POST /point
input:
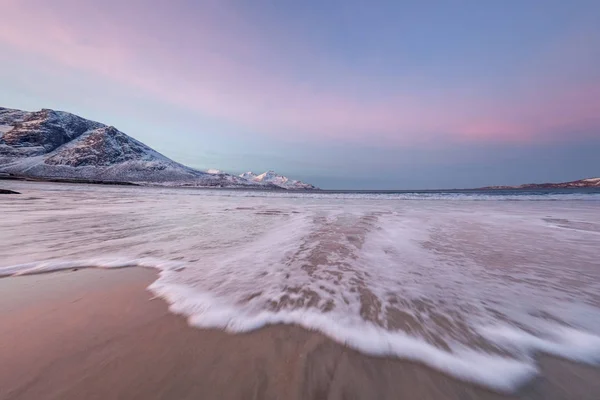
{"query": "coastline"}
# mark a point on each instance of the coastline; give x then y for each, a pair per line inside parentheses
(95, 333)
(77, 181)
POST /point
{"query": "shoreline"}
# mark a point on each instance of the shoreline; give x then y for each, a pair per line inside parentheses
(82, 181)
(95, 333)
(493, 189)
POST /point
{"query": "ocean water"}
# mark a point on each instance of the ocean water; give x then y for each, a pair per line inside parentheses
(475, 284)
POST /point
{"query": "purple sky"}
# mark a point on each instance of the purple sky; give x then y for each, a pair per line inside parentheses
(346, 94)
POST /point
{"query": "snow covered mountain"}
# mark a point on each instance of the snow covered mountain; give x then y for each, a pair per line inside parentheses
(582, 183)
(248, 175)
(594, 182)
(276, 179)
(50, 144)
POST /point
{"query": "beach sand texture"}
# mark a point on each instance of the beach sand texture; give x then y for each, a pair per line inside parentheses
(97, 334)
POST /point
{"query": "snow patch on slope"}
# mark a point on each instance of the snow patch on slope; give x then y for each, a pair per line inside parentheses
(593, 180)
(248, 175)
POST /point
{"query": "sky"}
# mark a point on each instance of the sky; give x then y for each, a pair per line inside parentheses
(343, 94)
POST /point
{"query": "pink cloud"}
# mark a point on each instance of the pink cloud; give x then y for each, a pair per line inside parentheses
(549, 114)
(216, 63)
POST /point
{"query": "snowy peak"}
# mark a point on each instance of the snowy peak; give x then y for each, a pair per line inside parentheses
(279, 180)
(41, 132)
(271, 176)
(248, 175)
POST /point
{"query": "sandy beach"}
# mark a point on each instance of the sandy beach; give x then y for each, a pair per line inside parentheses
(98, 334)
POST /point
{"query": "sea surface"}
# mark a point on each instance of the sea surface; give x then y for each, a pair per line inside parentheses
(476, 284)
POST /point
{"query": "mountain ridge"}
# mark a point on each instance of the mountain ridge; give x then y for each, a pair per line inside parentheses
(271, 176)
(581, 183)
(58, 145)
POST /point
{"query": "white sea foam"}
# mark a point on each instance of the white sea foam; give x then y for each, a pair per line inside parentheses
(55, 266)
(202, 310)
(493, 371)
(473, 289)
(560, 341)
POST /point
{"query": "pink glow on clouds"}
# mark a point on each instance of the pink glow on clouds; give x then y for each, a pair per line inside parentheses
(219, 65)
(549, 114)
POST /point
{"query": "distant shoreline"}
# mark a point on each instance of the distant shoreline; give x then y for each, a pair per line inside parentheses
(580, 184)
(64, 180)
(11, 177)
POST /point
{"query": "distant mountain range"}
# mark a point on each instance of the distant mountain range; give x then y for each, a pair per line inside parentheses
(582, 183)
(276, 179)
(57, 145)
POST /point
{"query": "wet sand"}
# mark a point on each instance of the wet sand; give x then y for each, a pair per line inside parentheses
(95, 334)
